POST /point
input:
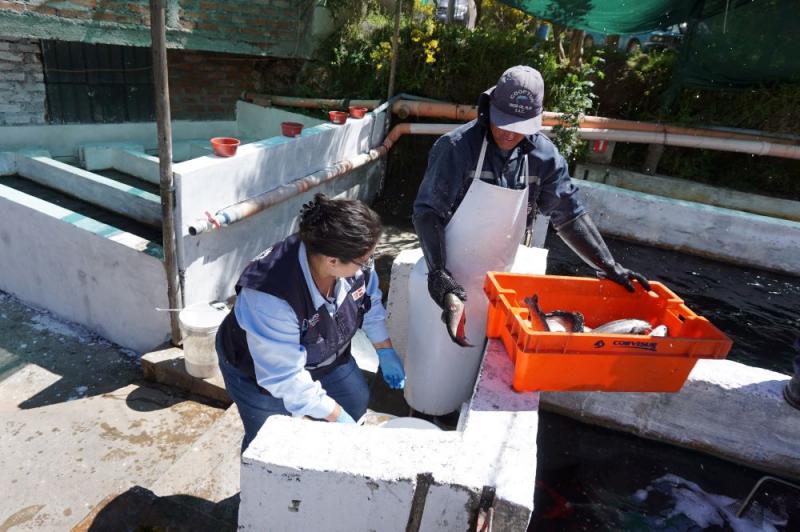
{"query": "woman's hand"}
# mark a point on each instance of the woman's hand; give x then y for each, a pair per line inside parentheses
(339, 415)
(392, 368)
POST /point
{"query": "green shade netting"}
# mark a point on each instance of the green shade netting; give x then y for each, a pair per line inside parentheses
(730, 43)
(609, 16)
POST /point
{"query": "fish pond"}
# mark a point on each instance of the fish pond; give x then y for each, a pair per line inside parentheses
(591, 478)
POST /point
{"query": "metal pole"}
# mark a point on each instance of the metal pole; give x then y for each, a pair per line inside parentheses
(158, 36)
(398, 5)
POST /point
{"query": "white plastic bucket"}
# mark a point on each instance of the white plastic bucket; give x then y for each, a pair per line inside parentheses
(199, 324)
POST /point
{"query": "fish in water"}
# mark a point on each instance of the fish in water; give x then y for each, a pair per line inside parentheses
(624, 326)
(556, 321)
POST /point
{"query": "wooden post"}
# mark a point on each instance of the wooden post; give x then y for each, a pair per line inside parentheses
(398, 5)
(158, 36)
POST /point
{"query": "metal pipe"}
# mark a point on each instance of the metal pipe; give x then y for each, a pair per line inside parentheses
(163, 119)
(251, 206)
(451, 111)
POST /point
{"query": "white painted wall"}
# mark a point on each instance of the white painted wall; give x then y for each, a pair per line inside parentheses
(723, 234)
(214, 260)
(100, 282)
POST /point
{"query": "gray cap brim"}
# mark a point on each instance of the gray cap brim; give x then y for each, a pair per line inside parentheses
(513, 123)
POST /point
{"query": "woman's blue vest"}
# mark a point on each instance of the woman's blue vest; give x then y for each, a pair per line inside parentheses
(326, 338)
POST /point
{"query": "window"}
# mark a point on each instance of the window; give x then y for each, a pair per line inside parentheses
(97, 83)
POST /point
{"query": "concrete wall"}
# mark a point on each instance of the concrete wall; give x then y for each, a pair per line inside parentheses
(22, 93)
(714, 232)
(213, 261)
(690, 191)
(280, 28)
(82, 270)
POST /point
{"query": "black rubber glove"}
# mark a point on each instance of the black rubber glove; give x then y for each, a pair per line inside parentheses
(443, 289)
(582, 236)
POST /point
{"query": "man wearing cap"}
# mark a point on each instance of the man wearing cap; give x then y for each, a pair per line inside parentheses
(483, 181)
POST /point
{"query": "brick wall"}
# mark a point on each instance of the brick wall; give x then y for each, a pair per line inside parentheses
(265, 27)
(22, 93)
(205, 86)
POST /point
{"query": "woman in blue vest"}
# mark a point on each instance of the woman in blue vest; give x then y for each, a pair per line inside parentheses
(285, 347)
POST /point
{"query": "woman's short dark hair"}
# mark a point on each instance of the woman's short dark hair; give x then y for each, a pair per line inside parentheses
(342, 228)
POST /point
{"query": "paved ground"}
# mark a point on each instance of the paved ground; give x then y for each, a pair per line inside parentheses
(78, 422)
(83, 432)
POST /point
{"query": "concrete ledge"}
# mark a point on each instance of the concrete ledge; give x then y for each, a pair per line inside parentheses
(690, 191)
(166, 367)
(8, 163)
(726, 409)
(723, 234)
(370, 478)
(100, 156)
(92, 188)
(137, 164)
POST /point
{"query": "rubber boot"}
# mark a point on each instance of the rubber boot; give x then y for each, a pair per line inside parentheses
(791, 392)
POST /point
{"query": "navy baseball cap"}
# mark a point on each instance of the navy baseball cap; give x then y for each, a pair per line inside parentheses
(516, 100)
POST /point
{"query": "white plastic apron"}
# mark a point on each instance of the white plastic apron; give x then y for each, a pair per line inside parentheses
(483, 235)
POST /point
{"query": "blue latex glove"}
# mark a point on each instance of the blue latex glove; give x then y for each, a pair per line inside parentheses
(392, 368)
(344, 417)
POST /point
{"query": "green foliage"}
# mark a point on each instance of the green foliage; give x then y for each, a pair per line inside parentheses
(451, 63)
(634, 88)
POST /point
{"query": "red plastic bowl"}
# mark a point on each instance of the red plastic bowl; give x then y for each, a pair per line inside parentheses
(224, 146)
(357, 112)
(291, 129)
(338, 117)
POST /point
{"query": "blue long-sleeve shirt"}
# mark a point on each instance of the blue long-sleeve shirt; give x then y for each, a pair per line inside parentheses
(273, 337)
(454, 156)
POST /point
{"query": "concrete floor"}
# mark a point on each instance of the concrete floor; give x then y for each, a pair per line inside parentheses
(80, 425)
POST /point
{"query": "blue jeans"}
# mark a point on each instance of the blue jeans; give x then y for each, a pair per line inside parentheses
(345, 384)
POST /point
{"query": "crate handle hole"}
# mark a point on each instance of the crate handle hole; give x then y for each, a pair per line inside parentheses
(682, 317)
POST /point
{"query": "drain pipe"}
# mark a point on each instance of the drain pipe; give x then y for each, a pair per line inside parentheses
(167, 185)
(244, 209)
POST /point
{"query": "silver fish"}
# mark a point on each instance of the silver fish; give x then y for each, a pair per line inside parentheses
(624, 326)
(556, 321)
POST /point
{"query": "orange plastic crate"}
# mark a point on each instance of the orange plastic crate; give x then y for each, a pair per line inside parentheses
(555, 361)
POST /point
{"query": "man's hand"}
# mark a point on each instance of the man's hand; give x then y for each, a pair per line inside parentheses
(624, 277)
(392, 368)
(450, 296)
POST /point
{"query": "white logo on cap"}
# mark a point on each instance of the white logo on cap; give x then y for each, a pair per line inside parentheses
(521, 102)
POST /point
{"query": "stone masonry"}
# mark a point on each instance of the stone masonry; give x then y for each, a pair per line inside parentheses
(22, 93)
